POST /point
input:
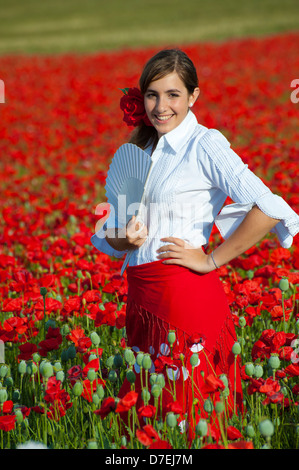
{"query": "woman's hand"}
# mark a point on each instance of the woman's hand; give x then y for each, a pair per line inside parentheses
(181, 253)
(132, 236)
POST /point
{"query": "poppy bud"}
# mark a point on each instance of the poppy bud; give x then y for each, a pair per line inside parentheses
(78, 389)
(171, 337)
(242, 322)
(118, 361)
(95, 339)
(43, 291)
(100, 391)
(16, 395)
(57, 366)
(31, 368)
(194, 360)
(3, 371)
(274, 361)
(208, 406)
(92, 444)
(258, 371)
(110, 362)
(131, 376)
(266, 428)
(250, 431)
(91, 375)
(171, 420)
(249, 369)
(139, 358)
(95, 399)
(236, 349)
(3, 395)
(22, 367)
(145, 394)
(146, 362)
(129, 356)
(71, 352)
(156, 390)
(202, 428)
(80, 274)
(283, 284)
(19, 416)
(46, 370)
(112, 376)
(223, 379)
(153, 379)
(60, 376)
(160, 380)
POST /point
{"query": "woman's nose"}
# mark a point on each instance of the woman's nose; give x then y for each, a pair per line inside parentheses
(161, 105)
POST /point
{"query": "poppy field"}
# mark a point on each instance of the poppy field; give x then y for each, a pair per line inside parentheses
(63, 350)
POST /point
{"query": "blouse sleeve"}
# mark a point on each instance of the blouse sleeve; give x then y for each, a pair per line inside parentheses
(100, 243)
(228, 172)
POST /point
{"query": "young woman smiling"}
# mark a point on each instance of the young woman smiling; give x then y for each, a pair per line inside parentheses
(173, 283)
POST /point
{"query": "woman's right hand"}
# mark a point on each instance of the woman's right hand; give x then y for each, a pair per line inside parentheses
(130, 237)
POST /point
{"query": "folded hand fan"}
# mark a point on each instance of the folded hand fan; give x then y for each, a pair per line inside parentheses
(125, 184)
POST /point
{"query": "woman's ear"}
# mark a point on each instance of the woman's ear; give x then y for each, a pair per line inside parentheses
(193, 97)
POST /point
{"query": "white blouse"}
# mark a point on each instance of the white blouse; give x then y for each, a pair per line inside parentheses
(193, 171)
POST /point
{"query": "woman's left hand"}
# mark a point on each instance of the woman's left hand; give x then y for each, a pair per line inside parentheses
(181, 253)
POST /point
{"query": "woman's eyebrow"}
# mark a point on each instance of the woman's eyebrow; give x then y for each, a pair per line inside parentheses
(167, 91)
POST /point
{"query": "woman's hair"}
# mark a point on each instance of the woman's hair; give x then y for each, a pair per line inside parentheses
(163, 63)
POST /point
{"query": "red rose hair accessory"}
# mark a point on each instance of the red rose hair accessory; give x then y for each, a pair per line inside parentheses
(132, 105)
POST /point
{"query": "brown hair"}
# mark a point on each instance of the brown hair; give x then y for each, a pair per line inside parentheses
(164, 62)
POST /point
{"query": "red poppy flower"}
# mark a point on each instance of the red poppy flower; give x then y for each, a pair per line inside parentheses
(7, 423)
(27, 351)
(233, 433)
(212, 384)
(147, 411)
(126, 403)
(108, 405)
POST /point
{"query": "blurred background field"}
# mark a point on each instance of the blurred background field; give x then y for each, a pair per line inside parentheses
(60, 26)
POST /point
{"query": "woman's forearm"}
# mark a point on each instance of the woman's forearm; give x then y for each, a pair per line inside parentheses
(251, 230)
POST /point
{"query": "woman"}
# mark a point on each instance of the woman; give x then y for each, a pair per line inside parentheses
(172, 280)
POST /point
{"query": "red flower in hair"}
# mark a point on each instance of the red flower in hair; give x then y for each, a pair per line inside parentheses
(132, 105)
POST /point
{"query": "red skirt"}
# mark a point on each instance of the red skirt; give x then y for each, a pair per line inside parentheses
(165, 297)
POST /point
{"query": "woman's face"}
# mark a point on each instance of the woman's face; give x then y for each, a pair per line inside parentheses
(167, 101)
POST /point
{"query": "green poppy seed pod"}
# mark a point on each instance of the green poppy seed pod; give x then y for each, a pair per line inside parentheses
(171, 337)
(36, 358)
(123, 441)
(31, 368)
(250, 274)
(249, 430)
(145, 394)
(258, 371)
(171, 420)
(112, 376)
(156, 390)
(64, 330)
(223, 379)
(3, 371)
(139, 358)
(194, 359)
(71, 352)
(146, 362)
(160, 380)
(242, 322)
(50, 323)
(274, 361)
(47, 370)
(100, 391)
(60, 376)
(8, 382)
(92, 444)
(201, 428)
(80, 274)
(118, 361)
(131, 376)
(249, 369)
(22, 367)
(43, 291)
(110, 362)
(225, 393)
(236, 349)
(78, 389)
(153, 378)
(92, 357)
(3, 395)
(266, 428)
(19, 416)
(283, 284)
(129, 356)
(91, 375)
(57, 366)
(16, 395)
(208, 406)
(95, 399)
(95, 339)
(219, 407)
(64, 356)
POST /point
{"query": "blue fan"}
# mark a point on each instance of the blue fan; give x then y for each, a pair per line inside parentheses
(125, 184)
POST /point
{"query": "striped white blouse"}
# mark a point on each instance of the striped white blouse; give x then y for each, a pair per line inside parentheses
(194, 170)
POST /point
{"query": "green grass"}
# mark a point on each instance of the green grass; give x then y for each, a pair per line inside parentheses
(59, 26)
